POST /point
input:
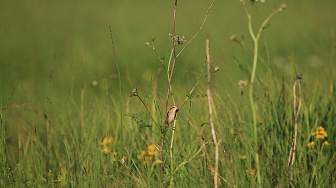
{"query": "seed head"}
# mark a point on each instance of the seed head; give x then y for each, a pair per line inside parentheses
(283, 7)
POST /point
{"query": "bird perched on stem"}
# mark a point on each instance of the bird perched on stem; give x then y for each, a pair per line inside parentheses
(171, 114)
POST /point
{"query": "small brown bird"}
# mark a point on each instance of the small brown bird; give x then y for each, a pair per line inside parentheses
(171, 114)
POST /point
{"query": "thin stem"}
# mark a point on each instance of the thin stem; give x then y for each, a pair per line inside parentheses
(255, 61)
(161, 157)
(194, 156)
(82, 106)
(296, 114)
(174, 62)
(254, 114)
(265, 22)
(255, 130)
(171, 90)
(255, 39)
(171, 157)
(146, 134)
(169, 83)
(3, 144)
(213, 132)
(192, 90)
(206, 16)
(170, 57)
(148, 110)
(176, 56)
(159, 58)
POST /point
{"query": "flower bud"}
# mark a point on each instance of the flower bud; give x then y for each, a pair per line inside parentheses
(147, 44)
(216, 69)
(283, 7)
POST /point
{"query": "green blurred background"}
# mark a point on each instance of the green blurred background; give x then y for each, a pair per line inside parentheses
(48, 48)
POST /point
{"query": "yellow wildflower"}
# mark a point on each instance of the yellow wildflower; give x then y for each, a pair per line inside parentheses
(150, 152)
(110, 140)
(115, 156)
(107, 140)
(242, 156)
(325, 143)
(147, 156)
(139, 158)
(104, 142)
(59, 177)
(320, 128)
(250, 172)
(148, 159)
(310, 144)
(107, 150)
(151, 148)
(321, 134)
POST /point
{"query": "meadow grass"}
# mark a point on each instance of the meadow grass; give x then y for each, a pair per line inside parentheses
(106, 129)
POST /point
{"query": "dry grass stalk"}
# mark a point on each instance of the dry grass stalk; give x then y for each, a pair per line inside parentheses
(213, 132)
(234, 104)
(25, 105)
(291, 158)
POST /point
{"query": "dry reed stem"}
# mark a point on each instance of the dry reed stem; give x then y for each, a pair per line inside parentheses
(291, 158)
(213, 132)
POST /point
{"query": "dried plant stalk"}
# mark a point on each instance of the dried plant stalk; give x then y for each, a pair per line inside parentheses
(213, 132)
(291, 158)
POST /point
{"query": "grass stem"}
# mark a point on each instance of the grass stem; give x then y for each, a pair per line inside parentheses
(213, 132)
(255, 39)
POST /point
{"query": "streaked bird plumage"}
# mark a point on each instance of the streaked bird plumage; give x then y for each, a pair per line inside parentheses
(171, 114)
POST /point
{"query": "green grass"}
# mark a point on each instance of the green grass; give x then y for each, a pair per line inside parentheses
(54, 119)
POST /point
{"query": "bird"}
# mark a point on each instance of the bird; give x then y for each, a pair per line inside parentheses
(171, 114)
